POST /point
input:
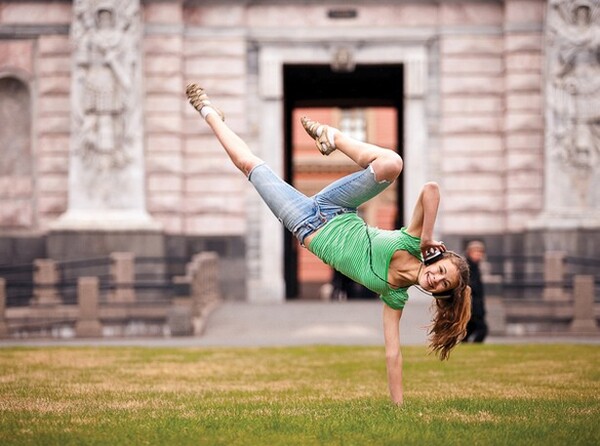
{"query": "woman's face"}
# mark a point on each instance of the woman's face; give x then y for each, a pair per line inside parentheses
(439, 277)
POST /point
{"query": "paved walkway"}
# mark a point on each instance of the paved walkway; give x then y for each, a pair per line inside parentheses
(241, 324)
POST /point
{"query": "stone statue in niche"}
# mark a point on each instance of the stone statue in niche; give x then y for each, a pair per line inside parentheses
(106, 159)
(105, 69)
(574, 89)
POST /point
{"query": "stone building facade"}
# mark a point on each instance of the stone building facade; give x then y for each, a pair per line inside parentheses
(499, 103)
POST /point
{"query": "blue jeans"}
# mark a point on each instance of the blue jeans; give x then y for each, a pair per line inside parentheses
(303, 215)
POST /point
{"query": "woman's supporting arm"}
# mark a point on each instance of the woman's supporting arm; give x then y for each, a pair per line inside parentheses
(393, 355)
(424, 216)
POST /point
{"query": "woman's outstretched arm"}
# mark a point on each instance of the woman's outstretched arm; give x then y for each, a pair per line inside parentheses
(424, 216)
(393, 355)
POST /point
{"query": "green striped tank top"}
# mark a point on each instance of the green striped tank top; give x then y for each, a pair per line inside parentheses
(343, 243)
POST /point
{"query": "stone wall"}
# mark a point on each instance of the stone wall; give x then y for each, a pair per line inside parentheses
(491, 120)
(524, 111)
(490, 107)
(163, 117)
(35, 48)
(53, 124)
(474, 110)
(192, 188)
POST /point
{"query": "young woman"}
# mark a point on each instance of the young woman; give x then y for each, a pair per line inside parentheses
(386, 262)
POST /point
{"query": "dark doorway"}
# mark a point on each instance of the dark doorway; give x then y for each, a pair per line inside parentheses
(319, 86)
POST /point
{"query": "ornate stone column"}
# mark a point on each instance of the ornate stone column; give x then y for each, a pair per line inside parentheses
(106, 169)
(106, 208)
(572, 152)
(570, 219)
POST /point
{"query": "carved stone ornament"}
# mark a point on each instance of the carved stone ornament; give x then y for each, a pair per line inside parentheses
(343, 60)
(106, 166)
(105, 56)
(573, 91)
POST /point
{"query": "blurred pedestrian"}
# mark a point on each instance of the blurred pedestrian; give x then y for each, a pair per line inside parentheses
(477, 328)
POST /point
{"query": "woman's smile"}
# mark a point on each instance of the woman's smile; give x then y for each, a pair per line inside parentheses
(429, 282)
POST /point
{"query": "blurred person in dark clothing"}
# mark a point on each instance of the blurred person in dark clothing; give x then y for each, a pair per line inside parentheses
(476, 328)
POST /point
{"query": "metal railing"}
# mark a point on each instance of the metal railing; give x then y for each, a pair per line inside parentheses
(528, 276)
(116, 294)
(19, 283)
(152, 279)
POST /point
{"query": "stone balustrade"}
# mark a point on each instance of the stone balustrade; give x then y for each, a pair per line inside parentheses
(561, 309)
(49, 316)
(558, 308)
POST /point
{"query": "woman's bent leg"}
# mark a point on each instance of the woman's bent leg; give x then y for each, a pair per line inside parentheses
(351, 191)
(386, 164)
(294, 209)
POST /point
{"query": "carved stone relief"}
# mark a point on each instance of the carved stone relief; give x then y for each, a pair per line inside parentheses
(573, 95)
(106, 123)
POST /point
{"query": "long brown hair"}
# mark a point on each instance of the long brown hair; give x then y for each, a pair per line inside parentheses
(449, 325)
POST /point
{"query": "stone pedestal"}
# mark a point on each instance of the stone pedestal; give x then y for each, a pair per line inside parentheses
(45, 279)
(584, 318)
(554, 275)
(106, 207)
(122, 271)
(88, 324)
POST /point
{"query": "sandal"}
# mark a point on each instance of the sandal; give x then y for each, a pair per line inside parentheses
(322, 142)
(199, 99)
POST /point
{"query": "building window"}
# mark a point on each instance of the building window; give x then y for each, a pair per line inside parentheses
(353, 122)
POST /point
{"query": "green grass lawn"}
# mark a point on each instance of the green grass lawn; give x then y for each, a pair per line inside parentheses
(485, 395)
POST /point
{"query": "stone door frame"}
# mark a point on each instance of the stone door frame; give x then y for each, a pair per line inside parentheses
(265, 237)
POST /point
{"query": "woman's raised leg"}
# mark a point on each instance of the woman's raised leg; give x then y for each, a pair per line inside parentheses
(238, 151)
(294, 209)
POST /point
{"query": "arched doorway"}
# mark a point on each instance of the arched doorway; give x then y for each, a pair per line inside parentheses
(16, 168)
(318, 86)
